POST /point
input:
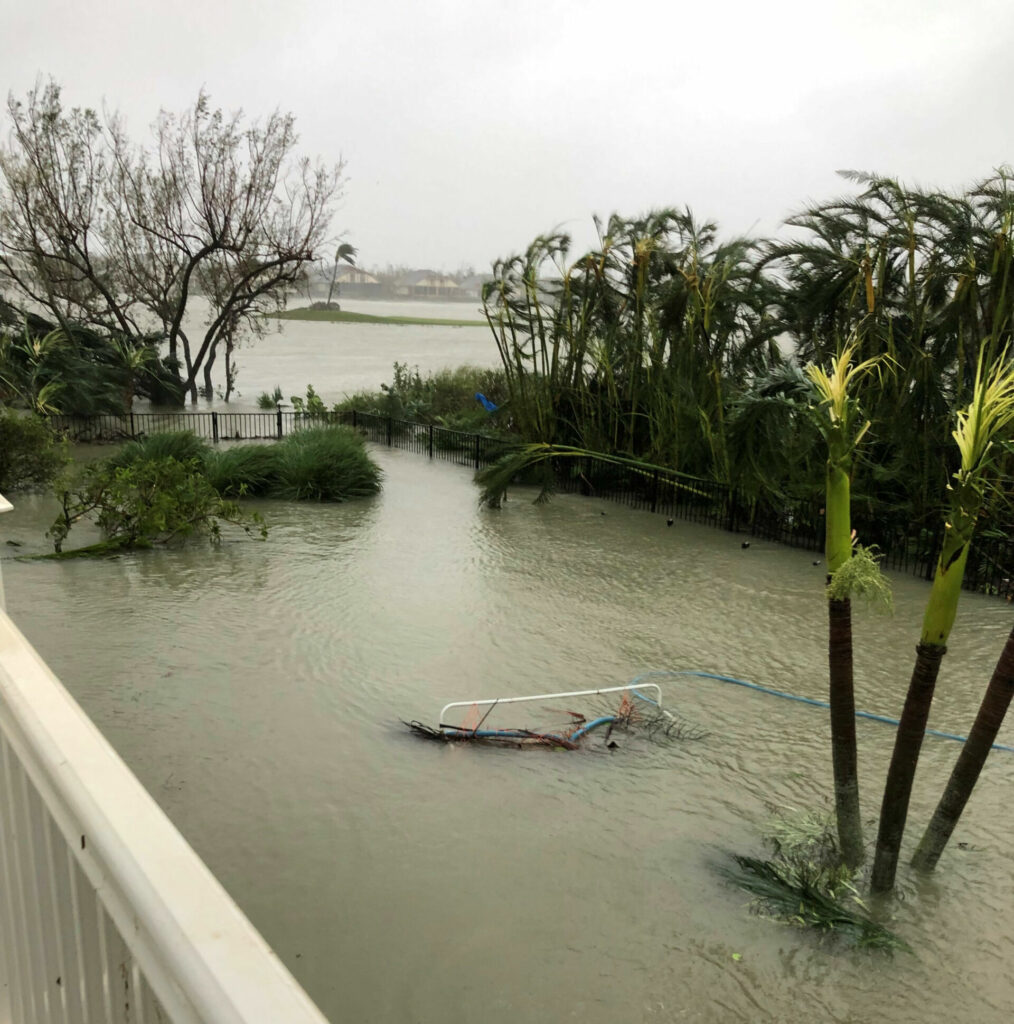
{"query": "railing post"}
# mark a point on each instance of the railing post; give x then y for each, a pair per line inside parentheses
(214, 427)
(431, 440)
(355, 420)
(654, 491)
(279, 424)
(133, 433)
(477, 439)
(732, 517)
(390, 431)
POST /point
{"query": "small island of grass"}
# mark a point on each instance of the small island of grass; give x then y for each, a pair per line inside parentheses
(341, 317)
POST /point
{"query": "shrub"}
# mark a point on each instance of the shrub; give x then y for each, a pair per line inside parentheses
(147, 502)
(246, 470)
(269, 399)
(446, 397)
(30, 455)
(325, 464)
(183, 446)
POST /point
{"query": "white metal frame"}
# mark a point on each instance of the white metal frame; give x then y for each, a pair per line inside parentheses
(549, 696)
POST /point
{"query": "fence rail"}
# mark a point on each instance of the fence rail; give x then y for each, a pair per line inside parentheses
(990, 567)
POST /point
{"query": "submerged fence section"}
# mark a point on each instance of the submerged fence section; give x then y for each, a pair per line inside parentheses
(676, 495)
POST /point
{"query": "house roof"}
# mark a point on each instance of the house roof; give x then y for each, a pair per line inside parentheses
(426, 279)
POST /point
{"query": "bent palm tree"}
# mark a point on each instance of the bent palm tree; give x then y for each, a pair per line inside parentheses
(343, 252)
(986, 419)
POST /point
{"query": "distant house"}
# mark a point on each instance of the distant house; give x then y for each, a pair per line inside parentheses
(426, 284)
(355, 283)
(471, 287)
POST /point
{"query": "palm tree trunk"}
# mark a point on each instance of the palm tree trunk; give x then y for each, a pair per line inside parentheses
(973, 756)
(843, 732)
(841, 694)
(901, 774)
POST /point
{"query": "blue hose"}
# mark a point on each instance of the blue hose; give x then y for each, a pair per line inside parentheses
(524, 735)
(802, 700)
(593, 724)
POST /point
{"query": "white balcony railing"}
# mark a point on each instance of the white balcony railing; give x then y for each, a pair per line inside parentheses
(106, 913)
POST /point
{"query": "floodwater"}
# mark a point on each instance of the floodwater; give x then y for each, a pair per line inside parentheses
(340, 359)
(257, 690)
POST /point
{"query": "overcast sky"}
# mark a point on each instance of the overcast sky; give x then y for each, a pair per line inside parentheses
(470, 126)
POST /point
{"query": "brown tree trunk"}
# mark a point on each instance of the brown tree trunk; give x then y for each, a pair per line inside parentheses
(843, 732)
(901, 773)
(973, 756)
(209, 389)
(230, 373)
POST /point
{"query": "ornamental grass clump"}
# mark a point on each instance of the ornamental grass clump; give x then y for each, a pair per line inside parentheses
(248, 470)
(324, 464)
(183, 446)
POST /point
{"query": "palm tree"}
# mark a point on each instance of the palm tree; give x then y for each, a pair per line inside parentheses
(344, 252)
(840, 421)
(987, 418)
(29, 368)
(973, 756)
(638, 347)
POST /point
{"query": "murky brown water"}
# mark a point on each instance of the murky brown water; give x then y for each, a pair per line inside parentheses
(257, 689)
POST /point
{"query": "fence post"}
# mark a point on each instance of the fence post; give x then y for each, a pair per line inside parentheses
(390, 431)
(732, 518)
(214, 427)
(133, 433)
(431, 440)
(279, 418)
(654, 490)
(477, 439)
(355, 422)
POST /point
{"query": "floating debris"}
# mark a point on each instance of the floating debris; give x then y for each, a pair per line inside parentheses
(636, 715)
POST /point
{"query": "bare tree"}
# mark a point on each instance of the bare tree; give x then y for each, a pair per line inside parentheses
(98, 229)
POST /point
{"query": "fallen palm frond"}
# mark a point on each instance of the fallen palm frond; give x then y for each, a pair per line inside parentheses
(495, 479)
(804, 893)
(806, 883)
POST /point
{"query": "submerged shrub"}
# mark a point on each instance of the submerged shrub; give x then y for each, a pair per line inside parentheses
(325, 464)
(269, 400)
(183, 446)
(149, 501)
(444, 397)
(30, 455)
(245, 470)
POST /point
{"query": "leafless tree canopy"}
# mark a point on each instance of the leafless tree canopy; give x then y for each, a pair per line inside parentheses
(97, 229)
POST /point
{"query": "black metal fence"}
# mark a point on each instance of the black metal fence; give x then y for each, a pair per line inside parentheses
(678, 496)
(212, 426)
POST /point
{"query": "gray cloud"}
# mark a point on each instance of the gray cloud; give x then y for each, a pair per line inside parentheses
(468, 127)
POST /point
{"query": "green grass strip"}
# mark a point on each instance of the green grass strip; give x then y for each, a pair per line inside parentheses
(333, 316)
